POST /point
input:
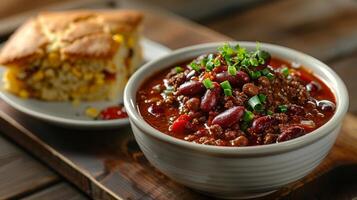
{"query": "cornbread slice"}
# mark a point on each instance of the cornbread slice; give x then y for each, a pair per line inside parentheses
(73, 55)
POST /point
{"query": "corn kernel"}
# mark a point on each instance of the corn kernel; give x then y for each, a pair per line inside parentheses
(131, 42)
(92, 112)
(54, 59)
(76, 72)
(118, 38)
(38, 76)
(66, 67)
(88, 76)
(49, 73)
(82, 90)
(24, 94)
(99, 79)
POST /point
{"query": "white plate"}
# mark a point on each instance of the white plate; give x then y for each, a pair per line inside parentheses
(65, 114)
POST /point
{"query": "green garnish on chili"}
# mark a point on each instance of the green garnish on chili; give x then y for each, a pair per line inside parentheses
(283, 108)
(178, 69)
(208, 83)
(248, 116)
(227, 92)
(226, 85)
(254, 103)
(285, 71)
(232, 70)
(195, 66)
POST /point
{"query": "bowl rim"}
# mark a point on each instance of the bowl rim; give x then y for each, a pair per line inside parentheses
(146, 71)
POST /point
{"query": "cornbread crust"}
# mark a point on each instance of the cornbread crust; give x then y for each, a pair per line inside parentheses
(74, 34)
(25, 45)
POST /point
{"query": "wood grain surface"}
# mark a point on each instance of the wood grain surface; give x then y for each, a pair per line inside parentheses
(60, 191)
(21, 174)
(109, 165)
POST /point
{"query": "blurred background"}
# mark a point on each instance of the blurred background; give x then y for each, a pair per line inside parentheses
(326, 29)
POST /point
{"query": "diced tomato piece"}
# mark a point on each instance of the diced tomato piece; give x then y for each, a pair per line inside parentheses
(114, 112)
(183, 117)
(181, 124)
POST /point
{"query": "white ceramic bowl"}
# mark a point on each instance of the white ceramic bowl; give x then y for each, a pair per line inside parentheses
(236, 172)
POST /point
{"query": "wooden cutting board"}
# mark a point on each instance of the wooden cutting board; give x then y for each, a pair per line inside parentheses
(109, 165)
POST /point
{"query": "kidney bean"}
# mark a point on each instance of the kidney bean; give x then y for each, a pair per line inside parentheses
(220, 69)
(190, 88)
(224, 76)
(311, 104)
(243, 77)
(262, 123)
(264, 81)
(229, 117)
(250, 89)
(326, 105)
(313, 86)
(291, 132)
(211, 97)
(240, 78)
(193, 104)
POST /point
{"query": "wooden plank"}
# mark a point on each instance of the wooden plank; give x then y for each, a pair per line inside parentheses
(323, 29)
(19, 173)
(59, 191)
(108, 164)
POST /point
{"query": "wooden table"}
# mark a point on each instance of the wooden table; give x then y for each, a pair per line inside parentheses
(324, 30)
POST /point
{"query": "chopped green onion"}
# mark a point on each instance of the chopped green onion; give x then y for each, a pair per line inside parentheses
(257, 45)
(265, 71)
(270, 76)
(248, 116)
(245, 62)
(195, 66)
(263, 56)
(226, 85)
(232, 70)
(178, 69)
(262, 98)
(269, 112)
(255, 74)
(244, 126)
(208, 83)
(227, 92)
(241, 53)
(216, 62)
(283, 108)
(226, 49)
(210, 64)
(285, 71)
(255, 103)
(254, 62)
